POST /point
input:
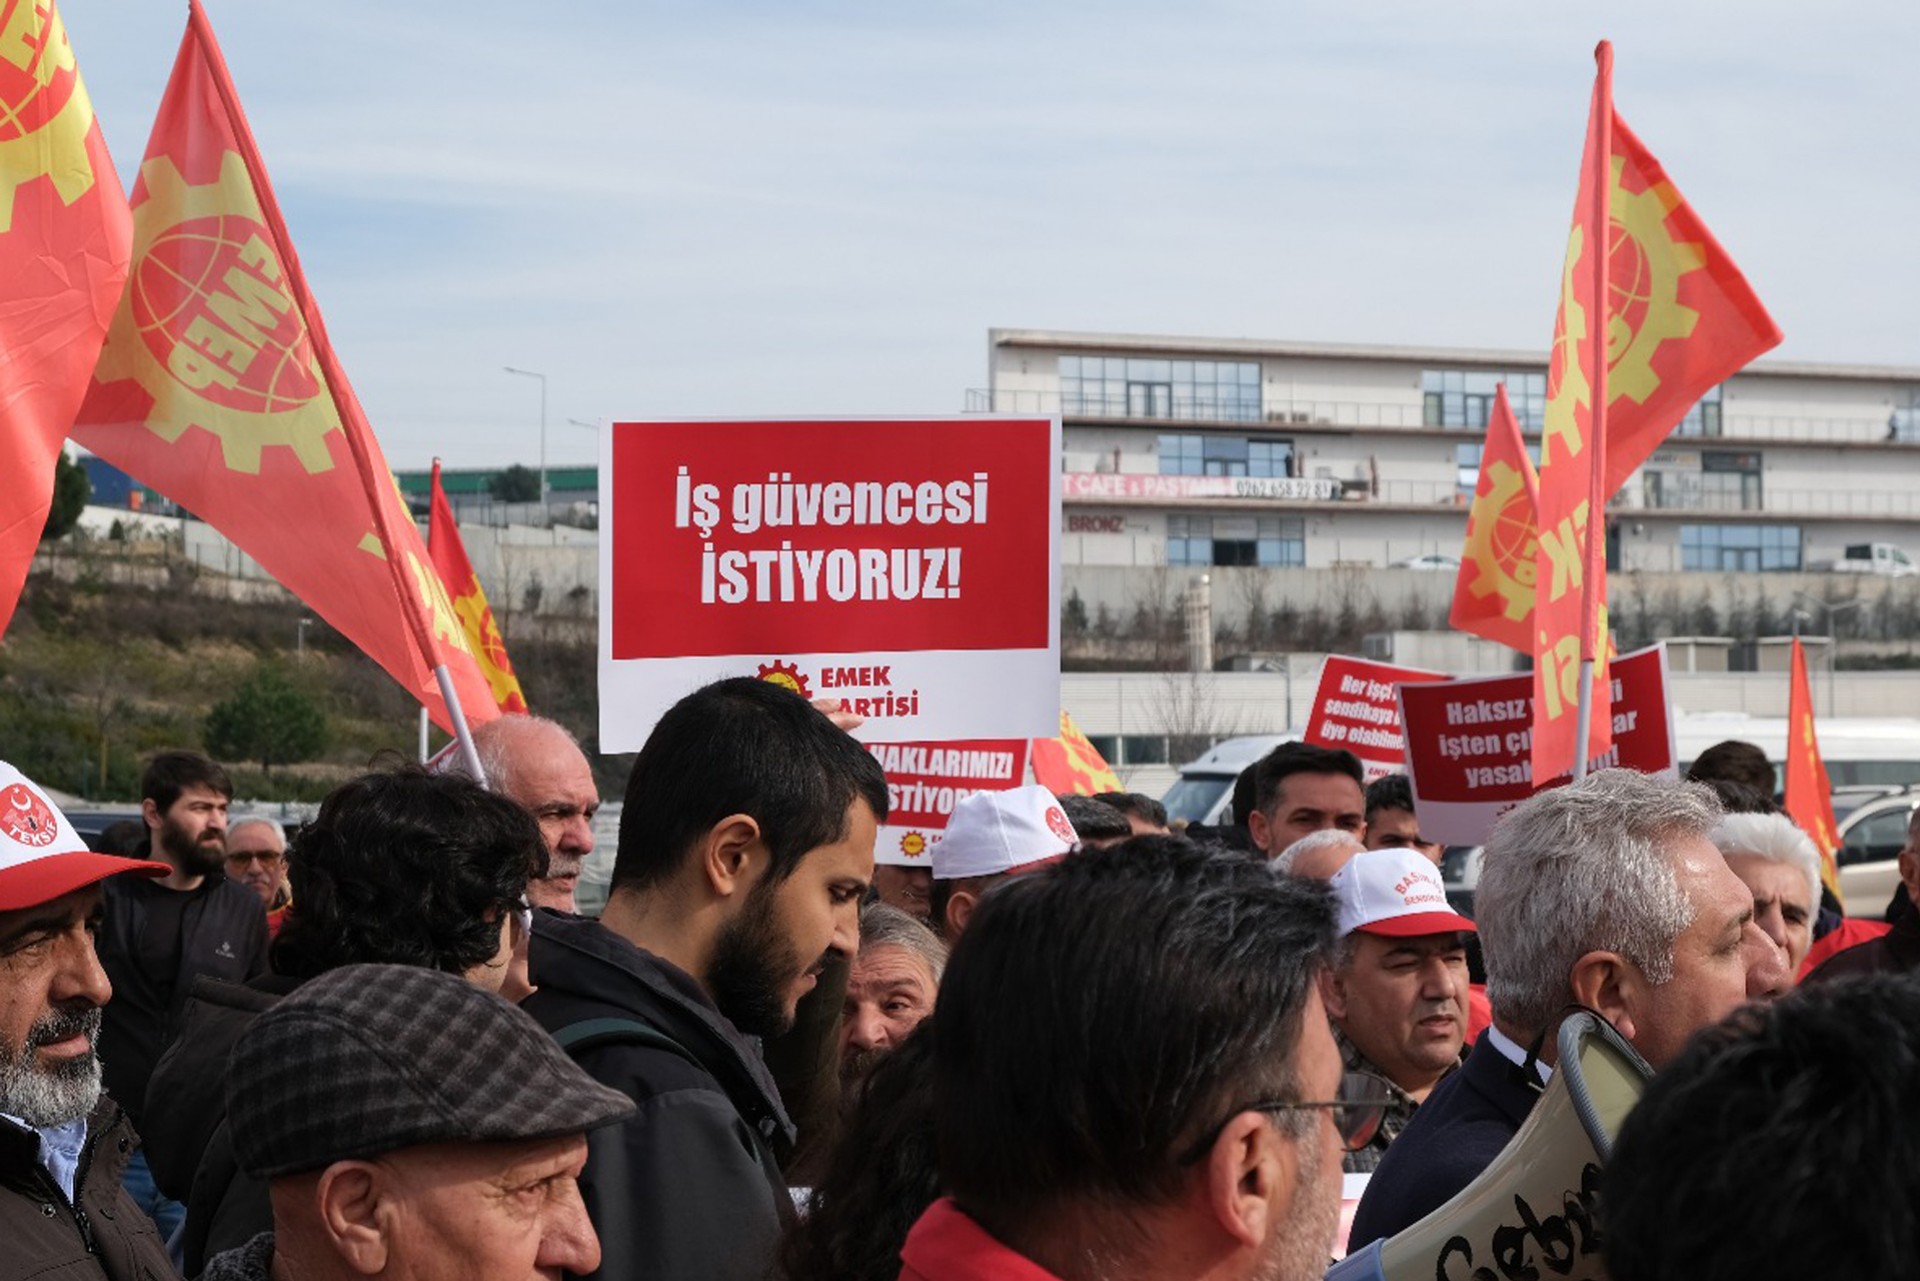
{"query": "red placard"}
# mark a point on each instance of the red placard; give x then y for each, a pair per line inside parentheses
(1470, 742)
(908, 567)
(926, 780)
(1357, 707)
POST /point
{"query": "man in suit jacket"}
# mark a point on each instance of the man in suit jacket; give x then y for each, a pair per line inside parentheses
(1606, 894)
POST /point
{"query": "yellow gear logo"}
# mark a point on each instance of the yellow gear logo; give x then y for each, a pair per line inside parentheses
(787, 676)
(209, 326)
(476, 618)
(1644, 267)
(1502, 548)
(913, 845)
(45, 113)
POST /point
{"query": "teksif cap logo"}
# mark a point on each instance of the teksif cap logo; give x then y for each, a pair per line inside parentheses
(41, 855)
(1395, 892)
(1016, 830)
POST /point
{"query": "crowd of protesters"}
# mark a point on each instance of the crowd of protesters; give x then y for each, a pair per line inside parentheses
(1077, 1045)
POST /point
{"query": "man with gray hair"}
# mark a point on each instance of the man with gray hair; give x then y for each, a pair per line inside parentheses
(1776, 861)
(1606, 893)
(257, 859)
(1318, 855)
(537, 763)
(891, 986)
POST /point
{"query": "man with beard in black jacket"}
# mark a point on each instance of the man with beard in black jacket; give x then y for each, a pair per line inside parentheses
(746, 846)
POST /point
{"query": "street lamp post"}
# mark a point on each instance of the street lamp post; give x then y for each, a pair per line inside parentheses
(1827, 611)
(528, 373)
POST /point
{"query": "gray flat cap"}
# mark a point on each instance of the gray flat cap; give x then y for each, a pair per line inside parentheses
(367, 1059)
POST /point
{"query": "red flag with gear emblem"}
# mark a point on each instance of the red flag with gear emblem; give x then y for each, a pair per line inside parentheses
(1070, 765)
(1493, 596)
(218, 388)
(449, 555)
(1653, 314)
(1809, 794)
(64, 236)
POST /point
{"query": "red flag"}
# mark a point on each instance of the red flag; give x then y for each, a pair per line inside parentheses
(449, 556)
(1070, 765)
(1653, 313)
(1809, 795)
(1493, 597)
(218, 387)
(64, 235)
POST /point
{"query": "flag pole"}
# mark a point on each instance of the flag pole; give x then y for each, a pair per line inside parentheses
(1597, 329)
(335, 378)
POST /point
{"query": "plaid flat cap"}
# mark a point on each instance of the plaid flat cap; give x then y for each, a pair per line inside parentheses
(368, 1059)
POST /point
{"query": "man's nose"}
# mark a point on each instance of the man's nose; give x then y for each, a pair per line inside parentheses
(569, 1243)
(1767, 972)
(867, 1030)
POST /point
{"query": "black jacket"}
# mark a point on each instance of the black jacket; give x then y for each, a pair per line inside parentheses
(1450, 1141)
(101, 1233)
(1895, 952)
(188, 1145)
(690, 1189)
(223, 933)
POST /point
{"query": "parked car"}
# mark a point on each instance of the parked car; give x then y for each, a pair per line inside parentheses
(1871, 558)
(1872, 834)
(1432, 560)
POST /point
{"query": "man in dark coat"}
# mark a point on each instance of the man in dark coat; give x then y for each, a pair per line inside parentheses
(63, 1144)
(746, 846)
(1898, 950)
(1606, 894)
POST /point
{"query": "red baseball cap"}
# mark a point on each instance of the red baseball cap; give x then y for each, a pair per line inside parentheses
(41, 856)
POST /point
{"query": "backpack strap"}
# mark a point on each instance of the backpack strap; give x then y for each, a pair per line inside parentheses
(590, 1034)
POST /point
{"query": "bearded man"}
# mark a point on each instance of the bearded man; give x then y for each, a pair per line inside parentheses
(159, 935)
(63, 1144)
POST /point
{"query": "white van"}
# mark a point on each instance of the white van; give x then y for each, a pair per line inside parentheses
(1204, 791)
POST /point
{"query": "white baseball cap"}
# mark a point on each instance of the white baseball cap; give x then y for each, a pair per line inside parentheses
(1017, 830)
(1395, 892)
(41, 856)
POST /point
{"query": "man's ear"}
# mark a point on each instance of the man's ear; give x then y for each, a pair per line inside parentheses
(1611, 984)
(1261, 832)
(1333, 992)
(1252, 1174)
(151, 813)
(728, 861)
(960, 905)
(355, 1220)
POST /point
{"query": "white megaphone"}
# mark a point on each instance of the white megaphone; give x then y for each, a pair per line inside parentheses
(1534, 1211)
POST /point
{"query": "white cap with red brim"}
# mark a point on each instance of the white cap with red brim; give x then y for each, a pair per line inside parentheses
(41, 856)
(1395, 892)
(990, 833)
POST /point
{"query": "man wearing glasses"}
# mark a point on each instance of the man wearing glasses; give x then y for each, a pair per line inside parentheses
(257, 858)
(1134, 1076)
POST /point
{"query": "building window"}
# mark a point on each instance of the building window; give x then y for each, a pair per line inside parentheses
(1267, 541)
(1186, 390)
(1722, 480)
(1739, 548)
(1225, 456)
(1704, 418)
(1463, 398)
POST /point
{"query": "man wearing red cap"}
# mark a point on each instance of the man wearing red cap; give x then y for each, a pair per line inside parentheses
(1397, 990)
(63, 1144)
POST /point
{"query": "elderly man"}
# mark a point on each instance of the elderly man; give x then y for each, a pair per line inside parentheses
(257, 858)
(1605, 893)
(411, 1125)
(1134, 1077)
(1783, 1144)
(1397, 990)
(1318, 855)
(537, 763)
(63, 1144)
(1776, 861)
(991, 838)
(891, 986)
(1301, 788)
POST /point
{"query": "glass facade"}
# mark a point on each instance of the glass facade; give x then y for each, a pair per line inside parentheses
(1462, 398)
(1187, 390)
(1704, 418)
(1739, 548)
(1225, 456)
(1236, 540)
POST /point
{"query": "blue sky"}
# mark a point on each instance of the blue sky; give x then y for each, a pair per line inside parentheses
(819, 208)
